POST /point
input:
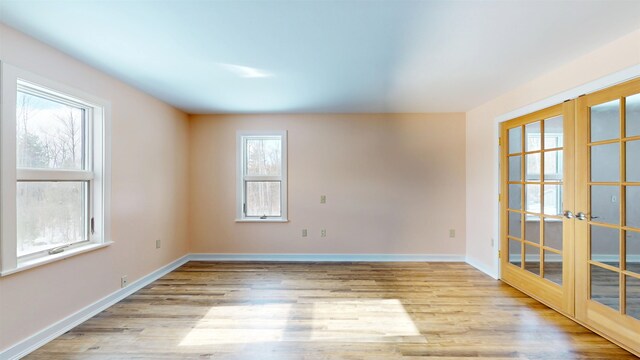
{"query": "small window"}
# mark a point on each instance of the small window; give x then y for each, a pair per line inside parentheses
(262, 176)
(55, 157)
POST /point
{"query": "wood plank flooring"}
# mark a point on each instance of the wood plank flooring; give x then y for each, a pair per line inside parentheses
(236, 310)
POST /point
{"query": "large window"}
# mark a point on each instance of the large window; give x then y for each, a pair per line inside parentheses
(262, 176)
(53, 171)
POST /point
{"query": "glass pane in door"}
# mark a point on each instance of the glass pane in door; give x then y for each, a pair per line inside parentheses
(515, 170)
(532, 229)
(605, 163)
(515, 224)
(605, 204)
(515, 140)
(515, 196)
(605, 245)
(605, 121)
(633, 206)
(553, 233)
(633, 251)
(553, 267)
(633, 161)
(633, 296)
(633, 115)
(553, 162)
(532, 259)
(605, 287)
(552, 199)
(553, 133)
(532, 196)
(533, 139)
(532, 167)
(515, 252)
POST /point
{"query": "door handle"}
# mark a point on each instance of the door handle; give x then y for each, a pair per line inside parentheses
(568, 214)
(581, 216)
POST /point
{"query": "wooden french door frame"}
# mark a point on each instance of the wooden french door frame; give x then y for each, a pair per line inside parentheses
(557, 296)
(613, 323)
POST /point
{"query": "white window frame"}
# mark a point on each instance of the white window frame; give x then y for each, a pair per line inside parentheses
(242, 178)
(97, 172)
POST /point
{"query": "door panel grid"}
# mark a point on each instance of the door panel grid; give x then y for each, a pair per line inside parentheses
(613, 203)
(535, 203)
(535, 174)
(571, 218)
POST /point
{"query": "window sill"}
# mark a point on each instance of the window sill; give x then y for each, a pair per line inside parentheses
(262, 220)
(26, 265)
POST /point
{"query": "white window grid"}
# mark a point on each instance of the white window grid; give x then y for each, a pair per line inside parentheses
(244, 179)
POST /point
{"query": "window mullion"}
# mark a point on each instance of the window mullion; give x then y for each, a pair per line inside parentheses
(53, 175)
(262, 178)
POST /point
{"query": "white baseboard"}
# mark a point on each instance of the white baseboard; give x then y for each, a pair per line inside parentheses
(329, 257)
(42, 337)
(476, 264)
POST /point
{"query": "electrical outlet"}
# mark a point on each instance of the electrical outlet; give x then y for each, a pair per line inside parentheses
(323, 233)
(492, 242)
(158, 244)
(304, 232)
(323, 199)
(452, 233)
(123, 281)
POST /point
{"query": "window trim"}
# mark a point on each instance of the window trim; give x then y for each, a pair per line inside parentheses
(241, 178)
(85, 175)
(99, 154)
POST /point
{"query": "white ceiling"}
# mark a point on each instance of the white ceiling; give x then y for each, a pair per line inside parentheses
(323, 56)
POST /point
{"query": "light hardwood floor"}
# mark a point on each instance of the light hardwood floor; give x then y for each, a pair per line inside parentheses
(329, 311)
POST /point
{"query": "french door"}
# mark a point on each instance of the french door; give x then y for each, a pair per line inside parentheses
(537, 172)
(570, 209)
(608, 218)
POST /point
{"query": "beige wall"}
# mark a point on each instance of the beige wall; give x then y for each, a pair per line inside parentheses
(482, 137)
(148, 202)
(394, 184)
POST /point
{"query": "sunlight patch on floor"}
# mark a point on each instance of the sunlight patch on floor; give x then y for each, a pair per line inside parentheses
(369, 320)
